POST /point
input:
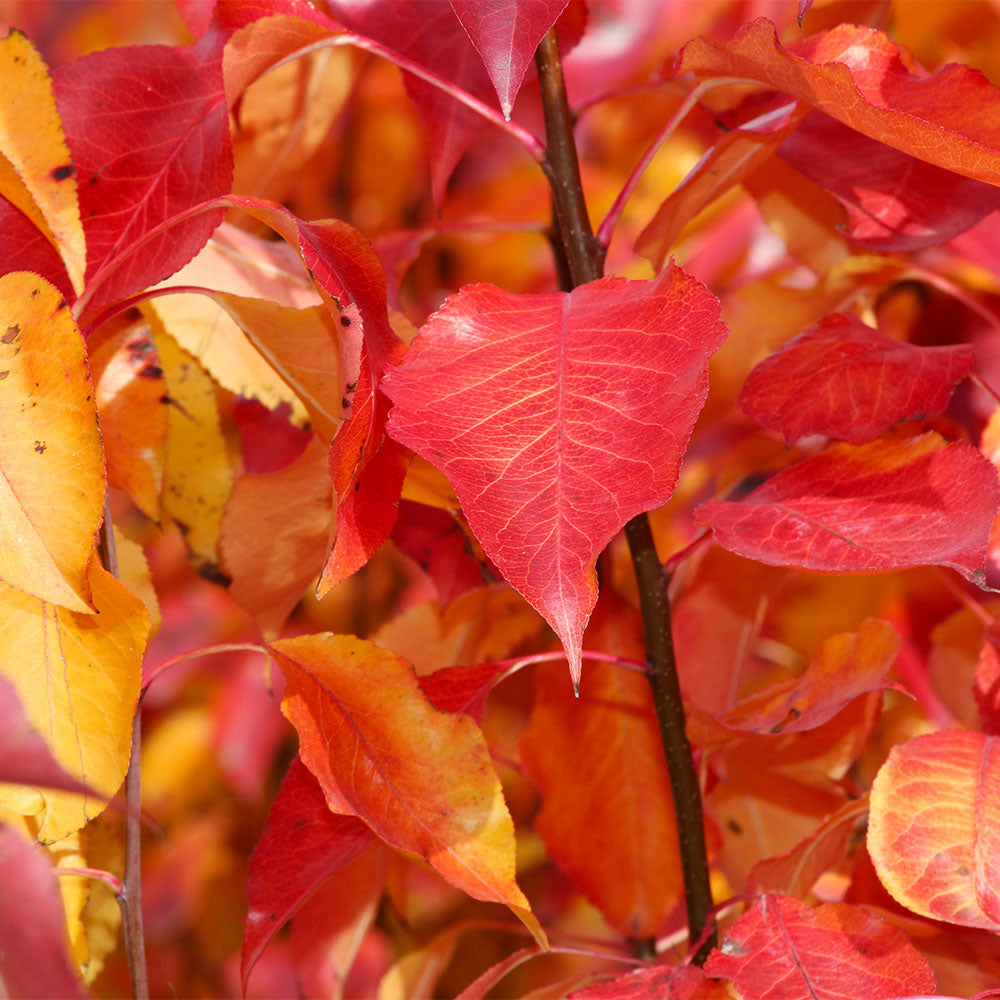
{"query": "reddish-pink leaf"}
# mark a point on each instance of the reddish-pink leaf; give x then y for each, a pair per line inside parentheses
(462, 689)
(782, 949)
(269, 441)
(657, 982)
(894, 201)
(858, 76)
(34, 959)
(868, 508)
(24, 248)
(303, 843)
(848, 381)
(431, 35)
(25, 758)
(934, 829)
(506, 34)
(557, 418)
(149, 132)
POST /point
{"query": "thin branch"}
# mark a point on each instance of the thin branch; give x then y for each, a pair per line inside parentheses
(130, 894)
(586, 262)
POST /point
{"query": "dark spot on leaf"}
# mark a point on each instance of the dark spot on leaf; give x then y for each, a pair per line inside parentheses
(345, 320)
(62, 305)
(40, 446)
(345, 402)
(64, 172)
(734, 826)
(93, 178)
(151, 371)
(210, 571)
(963, 870)
(3, 375)
(357, 486)
(351, 386)
(12, 334)
(35, 292)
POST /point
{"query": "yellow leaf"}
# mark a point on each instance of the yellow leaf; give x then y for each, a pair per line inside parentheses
(78, 678)
(51, 462)
(197, 478)
(36, 173)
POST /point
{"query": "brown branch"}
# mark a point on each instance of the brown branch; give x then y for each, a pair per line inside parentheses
(585, 257)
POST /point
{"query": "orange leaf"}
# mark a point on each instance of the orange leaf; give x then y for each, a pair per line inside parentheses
(422, 780)
(36, 172)
(848, 665)
(607, 816)
(274, 532)
(51, 462)
(933, 833)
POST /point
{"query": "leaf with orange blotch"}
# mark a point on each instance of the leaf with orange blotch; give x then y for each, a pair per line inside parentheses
(795, 872)
(51, 463)
(894, 201)
(734, 155)
(557, 418)
(598, 763)
(303, 843)
(128, 380)
(783, 948)
(858, 76)
(868, 508)
(986, 686)
(506, 35)
(34, 961)
(846, 380)
(262, 350)
(933, 831)
(197, 476)
(78, 678)
(422, 780)
(484, 624)
(273, 533)
(848, 665)
(657, 982)
(36, 172)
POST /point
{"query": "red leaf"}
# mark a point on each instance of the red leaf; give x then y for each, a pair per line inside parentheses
(848, 381)
(506, 34)
(433, 538)
(858, 76)
(24, 248)
(658, 982)
(934, 829)
(894, 201)
(33, 959)
(148, 128)
(430, 34)
(462, 689)
(534, 405)
(303, 843)
(25, 758)
(269, 440)
(783, 949)
(868, 508)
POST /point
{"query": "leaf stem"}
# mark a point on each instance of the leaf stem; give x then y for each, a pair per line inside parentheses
(586, 262)
(130, 895)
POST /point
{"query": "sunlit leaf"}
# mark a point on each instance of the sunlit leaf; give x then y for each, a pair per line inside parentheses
(846, 380)
(932, 834)
(868, 508)
(36, 173)
(422, 780)
(657, 982)
(52, 483)
(78, 678)
(557, 418)
(782, 948)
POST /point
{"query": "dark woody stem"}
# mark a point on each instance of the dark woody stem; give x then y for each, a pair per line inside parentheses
(585, 259)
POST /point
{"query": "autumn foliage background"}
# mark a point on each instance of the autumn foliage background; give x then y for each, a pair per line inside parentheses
(222, 226)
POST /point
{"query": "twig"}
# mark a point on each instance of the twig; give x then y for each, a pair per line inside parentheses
(586, 263)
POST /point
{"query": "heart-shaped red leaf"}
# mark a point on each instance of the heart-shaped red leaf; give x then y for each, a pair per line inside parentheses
(782, 948)
(506, 34)
(868, 508)
(848, 381)
(557, 418)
